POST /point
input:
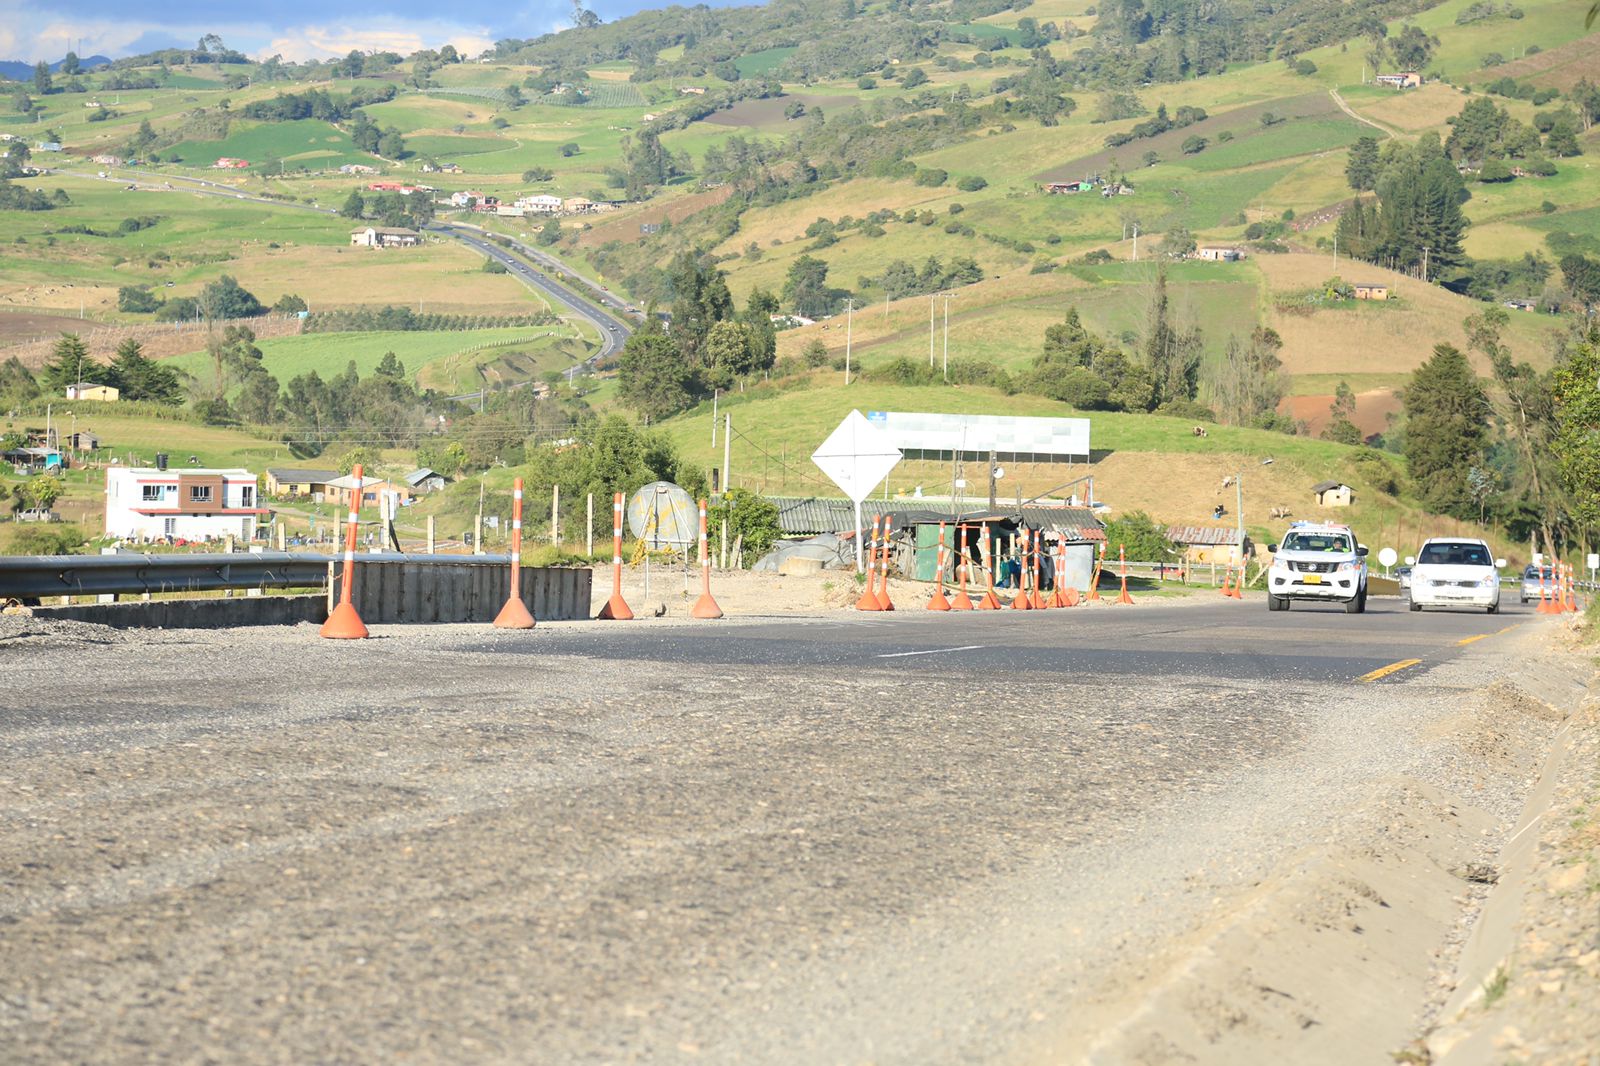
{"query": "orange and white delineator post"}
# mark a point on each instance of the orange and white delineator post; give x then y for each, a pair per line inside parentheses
(1238, 586)
(884, 546)
(961, 602)
(1094, 574)
(515, 614)
(1547, 601)
(1572, 587)
(705, 606)
(869, 598)
(1227, 580)
(937, 601)
(990, 601)
(1122, 556)
(345, 623)
(616, 607)
(1023, 600)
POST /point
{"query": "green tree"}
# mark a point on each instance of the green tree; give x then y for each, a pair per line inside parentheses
(752, 522)
(289, 304)
(363, 456)
(728, 354)
(354, 205)
(226, 298)
(1143, 540)
(1526, 413)
(653, 378)
(1245, 385)
(1341, 426)
(17, 383)
(257, 401)
(1361, 168)
(1582, 276)
(42, 83)
(141, 378)
(914, 77)
(569, 150)
(1172, 353)
(392, 145)
(69, 363)
(805, 288)
(1447, 414)
(137, 300)
(40, 492)
(1576, 445)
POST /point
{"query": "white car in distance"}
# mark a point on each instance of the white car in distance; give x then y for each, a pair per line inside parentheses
(1456, 572)
(1320, 562)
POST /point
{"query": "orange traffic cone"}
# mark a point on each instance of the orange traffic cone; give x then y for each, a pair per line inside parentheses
(937, 601)
(990, 601)
(616, 608)
(705, 606)
(869, 598)
(1123, 597)
(344, 623)
(961, 602)
(1547, 603)
(1227, 581)
(1024, 599)
(1238, 586)
(1572, 588)
(515, 613)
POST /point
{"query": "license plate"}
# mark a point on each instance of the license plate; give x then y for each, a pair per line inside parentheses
(1312, 579)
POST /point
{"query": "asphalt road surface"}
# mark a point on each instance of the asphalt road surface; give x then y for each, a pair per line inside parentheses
(903, 838)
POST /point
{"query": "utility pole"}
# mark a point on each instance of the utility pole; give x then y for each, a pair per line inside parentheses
(993, 464)
(948, 296)
(1336, 249)
(1425, 266)
(727, 449)
(1136, 242)
(849, 324)
(931, 298)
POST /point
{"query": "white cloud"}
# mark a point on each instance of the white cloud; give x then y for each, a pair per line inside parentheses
(322, 42)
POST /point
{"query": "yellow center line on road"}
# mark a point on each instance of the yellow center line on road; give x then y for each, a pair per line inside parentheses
(1469, 640)
(1385, 671)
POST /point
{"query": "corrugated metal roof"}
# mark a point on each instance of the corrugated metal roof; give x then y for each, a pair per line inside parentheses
(816, 515)
(1210, 536)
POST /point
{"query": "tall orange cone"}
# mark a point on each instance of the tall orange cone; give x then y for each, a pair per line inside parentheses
(1058, 594)
(1238, 586)
(515, 614)
(1122, 555)
(937, 601)
(961, 602)
(869, 598)
(705, 606)
(884, 602)
(345, 623)
(616, 607)
(1547, 603)
(990, 601)
(1024, 599)
(1094, 575)
(1227, 580)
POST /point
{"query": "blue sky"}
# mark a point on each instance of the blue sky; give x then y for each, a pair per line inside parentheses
(31, 30)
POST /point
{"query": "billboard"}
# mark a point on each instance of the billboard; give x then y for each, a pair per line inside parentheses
(981, 434)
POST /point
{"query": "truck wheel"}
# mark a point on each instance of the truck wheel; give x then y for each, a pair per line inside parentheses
(1494, 608)
(1415, 606)
(1357, 604)
(1277, 603)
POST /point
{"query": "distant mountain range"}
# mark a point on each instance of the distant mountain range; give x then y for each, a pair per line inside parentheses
(17, 70)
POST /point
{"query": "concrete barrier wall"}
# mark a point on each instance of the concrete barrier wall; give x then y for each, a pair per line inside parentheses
(387, 593)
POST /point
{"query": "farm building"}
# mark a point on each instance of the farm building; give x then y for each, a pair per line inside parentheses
(229, 163)
(1211, 544)
(1218, 254)
(1333, 494)
(284, 481)
(1370, 290)
(384, 237)
(151, 504)
(88, 390)
(1408, 79)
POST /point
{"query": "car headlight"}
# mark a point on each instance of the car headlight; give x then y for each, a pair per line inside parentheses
(1343, 567)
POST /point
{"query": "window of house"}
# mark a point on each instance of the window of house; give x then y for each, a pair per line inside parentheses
(247, 496)
(199, 493)
(151, 493)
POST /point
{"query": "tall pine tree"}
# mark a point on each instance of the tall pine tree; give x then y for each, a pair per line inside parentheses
(1447, 428)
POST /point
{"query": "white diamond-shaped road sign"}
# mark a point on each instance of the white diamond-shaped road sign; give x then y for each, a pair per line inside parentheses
(857, 456)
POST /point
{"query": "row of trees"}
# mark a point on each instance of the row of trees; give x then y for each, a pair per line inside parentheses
(132, 372)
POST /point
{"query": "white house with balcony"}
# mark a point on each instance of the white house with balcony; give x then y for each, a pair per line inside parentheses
(145, 503)
(543, 204)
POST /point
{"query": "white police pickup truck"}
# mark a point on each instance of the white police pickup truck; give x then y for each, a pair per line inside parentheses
(1318, 562)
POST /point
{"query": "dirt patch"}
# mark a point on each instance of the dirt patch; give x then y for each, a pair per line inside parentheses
(22, 327)
(1559, 68)
(160, 341)
(1373, 409)
(627, 229)
(768, 111)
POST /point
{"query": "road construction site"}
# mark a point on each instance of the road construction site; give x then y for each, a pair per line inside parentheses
(1183, 830)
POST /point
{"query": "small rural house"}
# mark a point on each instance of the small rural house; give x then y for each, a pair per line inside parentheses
(33, 459)
(1370, 290)
(1211, 544)
(88, 390)
(1218, 254)
(385, 237)
(286, 481)
(542, 204)
(83, 441)
(107, 160)
(144, 503)
(425, 480)
(1408, 79)
(1067, 188)
(371, 488)
(577, 205)
(229, 163)
(1333, 494)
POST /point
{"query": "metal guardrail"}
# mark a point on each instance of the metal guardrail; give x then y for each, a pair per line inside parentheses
(35, 576)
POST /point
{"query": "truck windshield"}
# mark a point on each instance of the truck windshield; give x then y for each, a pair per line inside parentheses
(1456, 555)
(1317, 542)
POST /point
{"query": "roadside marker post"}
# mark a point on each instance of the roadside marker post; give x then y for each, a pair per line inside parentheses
(884, 603)
(1547, 603)
(869, 598)
(344, 623)
(1122, 556)
(1572, 588)
(1094, 575)
(938, 601)
(616, 608)
(990, 601)
(1024, 599)
(1227, 581)
(705, 607)
(962, 601)
(515, 613)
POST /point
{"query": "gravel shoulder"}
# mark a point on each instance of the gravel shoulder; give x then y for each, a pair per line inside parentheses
(255, 846)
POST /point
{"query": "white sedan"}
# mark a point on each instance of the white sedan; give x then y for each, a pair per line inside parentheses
(1456, 573)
